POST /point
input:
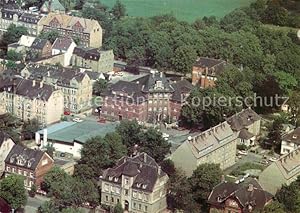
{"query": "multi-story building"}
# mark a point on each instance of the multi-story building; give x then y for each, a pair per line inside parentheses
(28, 99)
(215, 145)
(206, 70)
(40, 48)
(29, 163)
(64, 45)
(290, 141)
(87, 31)
(243, 197)
(137, 183)
(76, 86)
(93, 58)
(283, 171)
(6, 144)
(151, 98)
(247, 125)
(23, 18)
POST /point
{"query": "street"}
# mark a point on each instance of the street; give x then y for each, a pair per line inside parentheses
(34, 203)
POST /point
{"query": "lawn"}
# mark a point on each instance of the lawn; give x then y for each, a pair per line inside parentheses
(187, 10)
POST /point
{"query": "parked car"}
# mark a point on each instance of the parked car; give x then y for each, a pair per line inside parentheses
(273, 159)
(77, 120)
(242, 152)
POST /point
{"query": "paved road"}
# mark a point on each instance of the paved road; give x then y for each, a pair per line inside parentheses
(34, 203)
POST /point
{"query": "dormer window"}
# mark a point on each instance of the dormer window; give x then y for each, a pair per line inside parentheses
(116, 179)
(138, 185)
(294, 136)
(110, 178)
(144, 186)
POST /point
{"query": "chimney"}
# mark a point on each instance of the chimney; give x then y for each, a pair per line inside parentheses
(33, 83)
(159, 170)
(223, 179)
(41, 84)
(145, 157)
(250, 188)
(161, 74)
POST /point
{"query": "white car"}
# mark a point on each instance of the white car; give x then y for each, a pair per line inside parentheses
(77, 120)
(243, 152)
(273, 159)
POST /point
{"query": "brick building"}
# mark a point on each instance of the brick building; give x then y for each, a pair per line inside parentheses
(151, 98)
(206, 70)
(29, 163)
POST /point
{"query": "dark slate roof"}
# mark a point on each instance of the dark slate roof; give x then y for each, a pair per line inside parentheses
(23, 16)
(4, 206)
(62, 43)
(249, 195)
(182, 89)
(29, 158)
(93, 75)
(293, 137)
(215, 66)
(61, 75)
(39, 43)
(243, 119)
(150, 85)
(24, 87)
(87, 53)
(3, 137)
(142, 167)
(245, 134)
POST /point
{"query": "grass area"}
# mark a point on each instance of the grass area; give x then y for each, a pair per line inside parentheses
(187, 10)
(246, 166)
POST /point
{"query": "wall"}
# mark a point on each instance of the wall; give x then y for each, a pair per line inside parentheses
(4, 150)
(55, 107)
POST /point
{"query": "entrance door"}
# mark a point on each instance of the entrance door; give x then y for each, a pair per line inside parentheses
(126, 205)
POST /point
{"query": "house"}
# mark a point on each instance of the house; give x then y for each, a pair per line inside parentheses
(28, 99)
(93, 58)
(283, 171)
(215, 145)
(22, 45)
(150, 98)
(29, 163)
(206, 70)
(137, 183)
(41, 48)
(19, 17)
(290, 141)
(87, 31)
(6, 144)
(52, 6)
(243, 197)
(75, 85)
(66, 46)
(68, 137)
(247, 125)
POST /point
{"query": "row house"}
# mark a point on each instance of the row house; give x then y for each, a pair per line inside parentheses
(6, 144)
(206, 70)
(93, 58)
(87, 31)
(75, 85)
(137, 183)
(23, 18)
(151, 98)
(30, 163)
(29, 99)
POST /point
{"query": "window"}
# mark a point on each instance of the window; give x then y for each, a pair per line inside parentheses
(117, 190)
(44, 162)
(106, 187)
(126, 181)
(31, 174)
(140, 206)
(134, 205)
(140, 195)
(13, 170)
(112, 200)
(134, 194)
(106, 198)
(20, 172)
(8, 168)
(146, 208)
(25, 173)
(126, 192)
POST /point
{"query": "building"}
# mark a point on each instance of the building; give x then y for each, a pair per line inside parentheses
(243, 197)
(93, 58)
(206, 70)
(137, 183)
(22, 45)
(52, 6)
(247, 125)
(29, 99)
(40, 48)
(290, 141)
(68, 137)
(27, 19)
(283, 171)
(87, 31)
(6, 144)
(66, 46)
(29, 163)
(215, 145)
(150, 98)
(76, 85)
(5, 206)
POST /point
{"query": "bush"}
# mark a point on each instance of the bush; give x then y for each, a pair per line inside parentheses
(32, 191)
(241, 147)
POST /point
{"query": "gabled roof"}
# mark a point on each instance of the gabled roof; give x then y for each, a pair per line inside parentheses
(293, 137)
(181, 89)
(39, 43)
(3, 137)
(245, 134)
(22, 156)
(93, 54)
(243, 119)
(143, 168)
(62, 43)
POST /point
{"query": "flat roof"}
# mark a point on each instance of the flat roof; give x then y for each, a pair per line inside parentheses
(70, 132)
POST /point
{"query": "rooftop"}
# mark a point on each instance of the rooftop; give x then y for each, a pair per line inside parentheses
(243, 119)
(293, 137)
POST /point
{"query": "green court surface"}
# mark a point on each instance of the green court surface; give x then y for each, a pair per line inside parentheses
(187, 10)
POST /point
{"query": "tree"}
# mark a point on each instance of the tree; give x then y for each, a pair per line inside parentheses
(13, 34)
(14, 56)
(202, 181)
(32, 191)
(11, 125)
(118, 10)
(29, 128)
(154, 144)
(49, 35)
(118, 208)
(50, 149)
(274, 207)
(168, 167)
(83, 171)
(55, 175)
(275, 132)
(286, 81)
(12, 189)
(184, 58)
(236, 20)
(294, 103)
(48, 207)
(99, 86)
(289, 196)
